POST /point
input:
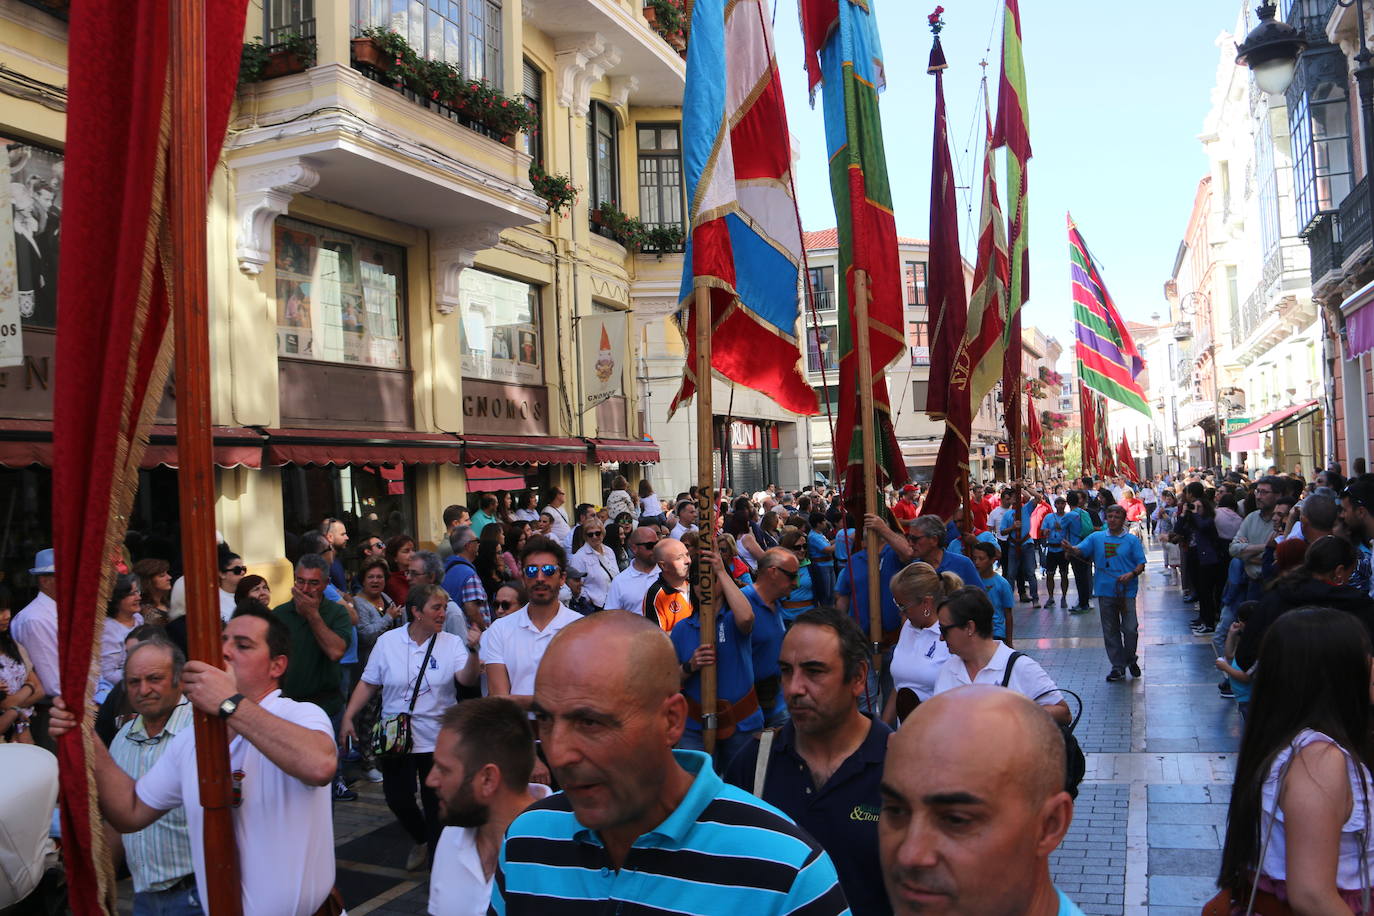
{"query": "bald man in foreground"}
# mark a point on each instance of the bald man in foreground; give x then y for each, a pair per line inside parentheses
(973, 805)
(639, 823)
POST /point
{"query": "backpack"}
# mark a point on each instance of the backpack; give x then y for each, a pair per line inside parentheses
(1076, 765)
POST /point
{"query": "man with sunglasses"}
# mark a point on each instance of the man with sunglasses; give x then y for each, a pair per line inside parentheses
(1256, 533)
(513, 646)
(629, 587)
(775, 578)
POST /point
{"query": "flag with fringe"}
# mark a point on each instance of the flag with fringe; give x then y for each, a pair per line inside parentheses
(1108, 359)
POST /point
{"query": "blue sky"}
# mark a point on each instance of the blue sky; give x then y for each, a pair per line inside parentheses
(1118, 93)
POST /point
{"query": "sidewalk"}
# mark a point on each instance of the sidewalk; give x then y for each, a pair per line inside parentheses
(1151, 814)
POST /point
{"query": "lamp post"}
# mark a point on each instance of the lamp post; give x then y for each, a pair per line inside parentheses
(1271, 52)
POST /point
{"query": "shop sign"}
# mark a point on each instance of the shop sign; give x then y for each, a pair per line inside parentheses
(1003, 451)
(505, 410)
(1234, 423)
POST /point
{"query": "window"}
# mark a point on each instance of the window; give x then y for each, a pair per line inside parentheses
(288, 17)
(465, 33)
(34, 178)
(822, 348)
(828, 398)
(914, 279)
(1266, 177)
(533, 94)
(918, 338)
(660, 174)
(340, 297)
(1321, 150)
(601, 150)
(499, 331)
(822, 287)
(371, 500)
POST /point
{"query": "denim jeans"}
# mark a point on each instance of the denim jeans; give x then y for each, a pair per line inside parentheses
(1022, 560)
(725, 749)
(1120, 629)
(181, 902)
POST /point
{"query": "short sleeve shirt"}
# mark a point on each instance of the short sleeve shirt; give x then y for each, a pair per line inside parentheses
(765, 637)
(734, 664)
(668, 605)
(1000, 594)
(457, 884)
(284, 872)
(515, 642)
(395, 663)
(816, 543)
(1113, 555)
(853, 582)
(919, 658)
(628, 588)
(312, 676)
(1027, 677)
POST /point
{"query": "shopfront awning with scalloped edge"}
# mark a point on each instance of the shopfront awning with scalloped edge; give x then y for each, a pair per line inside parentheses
(24, 443)
(479, 449)
(625, 451)
(323, 447)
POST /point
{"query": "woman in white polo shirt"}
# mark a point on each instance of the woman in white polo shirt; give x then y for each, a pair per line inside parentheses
(965, 619)
(420, 650)
(920, 654)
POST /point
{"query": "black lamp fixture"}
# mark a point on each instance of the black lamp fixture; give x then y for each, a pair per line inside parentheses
(1271, 51)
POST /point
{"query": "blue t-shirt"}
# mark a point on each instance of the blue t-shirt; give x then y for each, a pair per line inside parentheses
(816, 543)
(766, 636)
(734, 664)
(1009, 522)
(999, 593)
(842, 541)
(1055, 528)
(1113, 555)
(1066, 906)
(853, 582)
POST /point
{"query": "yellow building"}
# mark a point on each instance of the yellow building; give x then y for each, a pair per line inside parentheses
(397, 320)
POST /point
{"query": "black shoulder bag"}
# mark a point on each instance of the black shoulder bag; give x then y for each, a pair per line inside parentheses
(1076, 765)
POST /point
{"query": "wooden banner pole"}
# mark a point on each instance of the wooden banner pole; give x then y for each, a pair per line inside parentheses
(872, 504)
(706, 504)
(186, 198)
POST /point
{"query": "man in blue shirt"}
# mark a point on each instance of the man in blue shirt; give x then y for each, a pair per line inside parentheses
(821, 553)
(1054, 530)
(974, 804)
(1118, 560)
(775, 578)
(638, 826)
(1082, 569)
(823, 768)
(1016, 528)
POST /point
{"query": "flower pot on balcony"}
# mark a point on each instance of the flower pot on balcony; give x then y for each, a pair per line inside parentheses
(651, 16)
(280, 63)
(368, 52)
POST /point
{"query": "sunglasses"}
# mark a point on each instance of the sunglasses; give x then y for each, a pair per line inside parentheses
(548, 570)
(649, 544)
(595, 534)
(945, 628)
(236, 570)
(375, 545)
(506, 605)
(793, 574)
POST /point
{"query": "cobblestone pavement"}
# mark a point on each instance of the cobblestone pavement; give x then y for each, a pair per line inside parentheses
(1147, 828)
(1148, 824)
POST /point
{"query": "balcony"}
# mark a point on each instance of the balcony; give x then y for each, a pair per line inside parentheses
(823, 299)
(1324, 246)
(815, 362)
(920, 356)
(653, 243)
(1355, 222)
(1309, 17)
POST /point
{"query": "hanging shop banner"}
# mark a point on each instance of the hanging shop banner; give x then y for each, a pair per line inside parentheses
(11, 340)
(603, 357)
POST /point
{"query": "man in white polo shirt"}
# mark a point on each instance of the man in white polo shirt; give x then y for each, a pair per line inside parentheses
(628, 588)
(283, 758)
(482, 764)
(513, 645)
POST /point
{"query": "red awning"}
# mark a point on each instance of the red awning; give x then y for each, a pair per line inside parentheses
(29, 442)
(1246, 438)
(632, 451)
(343, 447)
(523, 450)
(488, 479)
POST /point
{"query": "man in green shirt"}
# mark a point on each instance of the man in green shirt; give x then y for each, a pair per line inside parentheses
(320, 631)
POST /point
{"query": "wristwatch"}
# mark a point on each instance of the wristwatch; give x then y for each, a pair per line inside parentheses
(230, 706)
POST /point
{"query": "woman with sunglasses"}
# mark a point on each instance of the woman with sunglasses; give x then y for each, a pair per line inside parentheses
(509, 598)
(801, 598)
(965, 621)
(596, 562)
(617, 539)
(920, 654)
(418, 654)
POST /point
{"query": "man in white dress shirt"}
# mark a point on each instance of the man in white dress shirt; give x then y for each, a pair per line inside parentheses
(35, 627)
(482, 765)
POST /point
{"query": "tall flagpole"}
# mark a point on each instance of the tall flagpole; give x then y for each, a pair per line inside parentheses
(706, 504)
(870, 460)
(186, 196)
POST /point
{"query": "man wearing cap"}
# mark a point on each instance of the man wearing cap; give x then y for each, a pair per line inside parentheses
(35, 627)
(904, 510)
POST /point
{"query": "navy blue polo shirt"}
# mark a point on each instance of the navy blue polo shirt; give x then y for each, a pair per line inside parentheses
(734, 664)
(842, 814)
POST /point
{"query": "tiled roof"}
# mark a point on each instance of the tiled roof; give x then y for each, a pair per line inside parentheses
(830, 238)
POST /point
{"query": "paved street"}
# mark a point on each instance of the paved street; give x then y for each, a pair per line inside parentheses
(1147, 828)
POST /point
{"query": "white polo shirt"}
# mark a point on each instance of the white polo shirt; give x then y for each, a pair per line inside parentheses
(599, 570)
(628, 588)
(394, 665)
(518, 644)
(919, 658)
(680, 529)
(1027, 677)
(284, 828)
(457, 885)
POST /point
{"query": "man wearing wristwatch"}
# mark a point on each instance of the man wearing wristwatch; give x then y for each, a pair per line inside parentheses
(281, 755)
(1118, 560)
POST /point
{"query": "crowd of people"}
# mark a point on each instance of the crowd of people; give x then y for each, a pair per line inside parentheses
(529, 694)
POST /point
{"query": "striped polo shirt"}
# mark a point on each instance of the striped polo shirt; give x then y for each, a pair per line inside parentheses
(721, 851)
(159, 855)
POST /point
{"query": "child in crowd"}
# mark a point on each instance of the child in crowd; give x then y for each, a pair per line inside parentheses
(997, 587)
(1239, 680)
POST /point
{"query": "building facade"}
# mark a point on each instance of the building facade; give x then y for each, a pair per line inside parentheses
(398, 320)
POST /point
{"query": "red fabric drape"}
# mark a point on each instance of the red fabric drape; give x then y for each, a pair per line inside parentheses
(113, 338)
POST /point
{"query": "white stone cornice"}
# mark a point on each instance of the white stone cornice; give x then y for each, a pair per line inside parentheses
(263, 194)
(581, 61)
(621, 87)
(453, 251)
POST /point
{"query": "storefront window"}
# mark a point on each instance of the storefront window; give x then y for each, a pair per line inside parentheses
(340, 297)
(33, 176)
(371, 500)
(499, 332)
